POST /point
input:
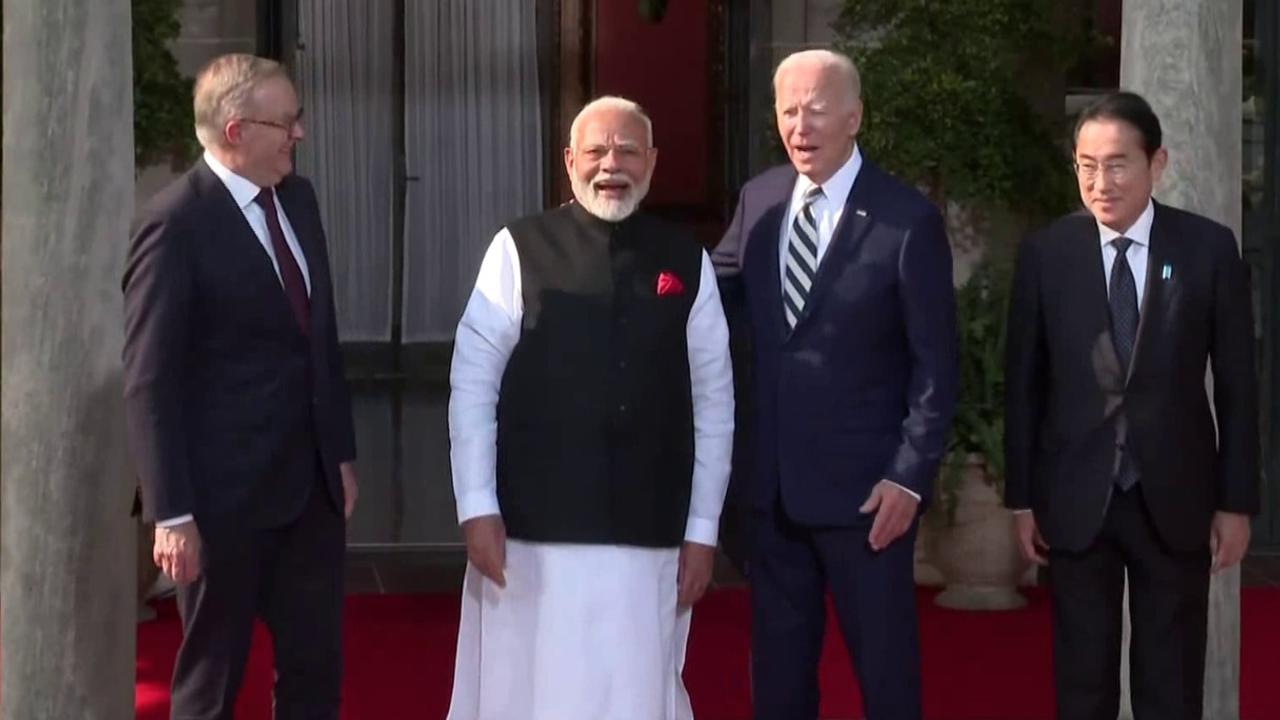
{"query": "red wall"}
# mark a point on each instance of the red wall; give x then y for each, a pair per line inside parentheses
(664, 67)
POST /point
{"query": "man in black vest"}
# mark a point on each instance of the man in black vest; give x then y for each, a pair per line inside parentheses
(1115, 464)
(591, 425)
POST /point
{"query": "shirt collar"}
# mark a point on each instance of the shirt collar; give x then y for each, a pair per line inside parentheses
(1139, 232)
(242, 190)
(837, 188)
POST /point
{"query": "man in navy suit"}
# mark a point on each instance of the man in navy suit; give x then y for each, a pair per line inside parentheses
(238, 411)
(845, 278)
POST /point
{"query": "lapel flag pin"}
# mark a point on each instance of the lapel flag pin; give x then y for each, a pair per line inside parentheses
(860, 212)
(1166, 272)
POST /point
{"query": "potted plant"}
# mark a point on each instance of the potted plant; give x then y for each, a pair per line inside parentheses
(965, 99)
(970, 534)
(162, 111)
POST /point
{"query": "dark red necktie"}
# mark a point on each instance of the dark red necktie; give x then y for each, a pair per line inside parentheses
(295, 288)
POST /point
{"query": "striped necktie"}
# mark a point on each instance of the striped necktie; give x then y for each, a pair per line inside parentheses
(802, 258)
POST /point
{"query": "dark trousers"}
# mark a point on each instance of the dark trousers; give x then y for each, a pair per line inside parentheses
(291, 576)
(1168, 611)
(874, 595)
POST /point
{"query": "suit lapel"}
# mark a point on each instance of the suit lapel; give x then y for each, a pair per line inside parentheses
(1084, 256)
(304, 228)
(855, 222)
(1154, 306)
(241, 240)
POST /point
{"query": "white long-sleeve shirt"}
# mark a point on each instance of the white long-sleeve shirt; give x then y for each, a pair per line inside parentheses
(486, 337)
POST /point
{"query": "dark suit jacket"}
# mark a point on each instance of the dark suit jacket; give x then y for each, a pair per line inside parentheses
(864, 388)
(1068, 405)
(223, 392)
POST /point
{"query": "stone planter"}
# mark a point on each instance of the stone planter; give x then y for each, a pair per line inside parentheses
(926, 574)
(977, 555)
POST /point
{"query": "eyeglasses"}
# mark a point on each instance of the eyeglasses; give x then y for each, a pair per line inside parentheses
(287, 125)
(625, 151)
(1115, 171)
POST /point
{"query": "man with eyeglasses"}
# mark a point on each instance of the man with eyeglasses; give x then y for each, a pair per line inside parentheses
(238, 412)
(1115, 466)
(591, 427)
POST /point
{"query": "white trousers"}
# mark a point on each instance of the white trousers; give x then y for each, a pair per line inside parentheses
(580, 632)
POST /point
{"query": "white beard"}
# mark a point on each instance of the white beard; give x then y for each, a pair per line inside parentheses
(608, 209)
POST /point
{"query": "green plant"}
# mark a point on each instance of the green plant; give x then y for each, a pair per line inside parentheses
(964, 99)
(978, 428)
(162, 114)
(949, 87)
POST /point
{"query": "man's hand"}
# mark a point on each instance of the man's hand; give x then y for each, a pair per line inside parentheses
(1028, 536)
(1228, 539)
(486, 538)
(895, 510)
(177, 552)
(694, 575)
(350, 488)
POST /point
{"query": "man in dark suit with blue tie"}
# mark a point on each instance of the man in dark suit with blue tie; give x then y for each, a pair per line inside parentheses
(238, 412)
(1115, 463)
(844, 275)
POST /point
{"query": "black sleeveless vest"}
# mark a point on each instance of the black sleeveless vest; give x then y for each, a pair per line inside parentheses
(595, 417)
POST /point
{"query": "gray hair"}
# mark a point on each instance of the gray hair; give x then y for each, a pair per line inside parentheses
(611, 102)
(827, 60)
(224, 90)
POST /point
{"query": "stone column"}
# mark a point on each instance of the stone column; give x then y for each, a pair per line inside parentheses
(1184, 56)
(67, 619)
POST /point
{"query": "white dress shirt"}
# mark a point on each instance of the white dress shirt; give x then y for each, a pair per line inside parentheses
(1139, 251)
(827, 211)
(486, 337)
(243, 191)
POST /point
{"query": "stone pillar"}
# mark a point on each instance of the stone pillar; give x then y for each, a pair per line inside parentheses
(1184, 56)
(67, 621)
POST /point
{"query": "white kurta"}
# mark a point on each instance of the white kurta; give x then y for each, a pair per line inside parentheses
(580, 632)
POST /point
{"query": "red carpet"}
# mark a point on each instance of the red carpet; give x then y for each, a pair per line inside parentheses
(976, 666)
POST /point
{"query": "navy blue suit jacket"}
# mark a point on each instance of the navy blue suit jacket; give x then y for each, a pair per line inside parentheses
(864, 387)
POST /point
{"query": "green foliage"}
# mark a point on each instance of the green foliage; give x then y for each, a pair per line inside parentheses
(947, 84)
(950, 88)
(162, 114)
(981, 307)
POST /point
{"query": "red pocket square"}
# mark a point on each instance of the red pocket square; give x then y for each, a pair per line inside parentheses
(669, 284)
